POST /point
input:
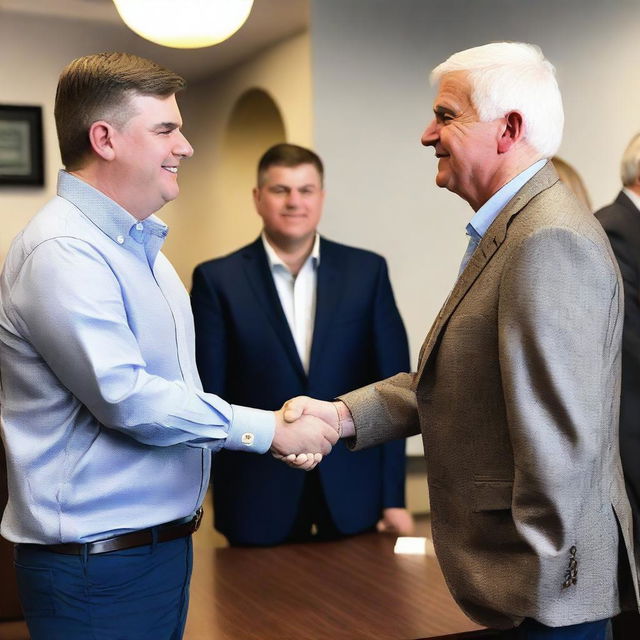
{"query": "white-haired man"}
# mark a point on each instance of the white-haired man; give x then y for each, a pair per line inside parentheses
(621, 221)
(518, 379)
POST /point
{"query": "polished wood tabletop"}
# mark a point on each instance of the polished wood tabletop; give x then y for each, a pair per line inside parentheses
(352, 589)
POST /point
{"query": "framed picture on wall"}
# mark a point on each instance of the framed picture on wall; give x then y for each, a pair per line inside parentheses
(21, 156)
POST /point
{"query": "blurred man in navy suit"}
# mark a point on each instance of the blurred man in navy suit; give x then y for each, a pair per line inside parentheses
(293, 313)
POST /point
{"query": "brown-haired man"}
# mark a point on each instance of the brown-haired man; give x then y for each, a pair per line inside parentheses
(107, 430)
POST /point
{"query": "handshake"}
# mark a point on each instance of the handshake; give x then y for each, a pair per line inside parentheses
(307, 429)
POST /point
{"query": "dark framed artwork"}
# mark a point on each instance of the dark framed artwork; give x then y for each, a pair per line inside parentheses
(21, 157)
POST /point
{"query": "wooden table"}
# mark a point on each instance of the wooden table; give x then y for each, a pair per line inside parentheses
(355, 589)
(352, 589)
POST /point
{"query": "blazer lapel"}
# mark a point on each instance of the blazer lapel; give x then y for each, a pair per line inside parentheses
(491, 241)
(258, 272)
(328, 293)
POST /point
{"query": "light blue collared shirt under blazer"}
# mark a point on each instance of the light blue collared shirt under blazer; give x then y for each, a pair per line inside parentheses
(104, 420)
(489, 211)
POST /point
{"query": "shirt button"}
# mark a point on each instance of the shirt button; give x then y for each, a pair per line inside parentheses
(247, 438)
(139, 226)
(120, 239)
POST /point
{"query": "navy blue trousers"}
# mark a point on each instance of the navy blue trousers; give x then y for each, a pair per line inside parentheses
(140, 593)
(533, 630)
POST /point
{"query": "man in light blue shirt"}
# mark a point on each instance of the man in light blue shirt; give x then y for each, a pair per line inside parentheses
(107, 430)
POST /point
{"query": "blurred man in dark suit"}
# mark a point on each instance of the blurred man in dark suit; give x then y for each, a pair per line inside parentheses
(621, 221)
(293, 313)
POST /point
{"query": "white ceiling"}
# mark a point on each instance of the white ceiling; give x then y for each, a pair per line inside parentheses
(269, 22)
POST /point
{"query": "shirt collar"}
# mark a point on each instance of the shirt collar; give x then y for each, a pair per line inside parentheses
(634, 197)
(107, 215)
(489, 211)
(275, 261)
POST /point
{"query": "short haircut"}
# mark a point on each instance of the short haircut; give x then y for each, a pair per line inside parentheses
(630, 166)
(513, 76)
(99, 87)
(288, 155)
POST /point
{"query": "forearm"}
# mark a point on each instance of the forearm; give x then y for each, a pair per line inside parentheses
(383, 411)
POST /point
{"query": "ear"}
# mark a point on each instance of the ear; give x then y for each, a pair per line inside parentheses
(256, 195)
(512, 132)
(101, 139)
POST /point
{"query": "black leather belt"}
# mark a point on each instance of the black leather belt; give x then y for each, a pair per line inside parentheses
(164, 532)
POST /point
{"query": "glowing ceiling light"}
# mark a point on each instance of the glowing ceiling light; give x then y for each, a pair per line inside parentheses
(184, 24)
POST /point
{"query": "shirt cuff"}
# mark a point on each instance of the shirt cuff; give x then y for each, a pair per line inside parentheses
(250, 430)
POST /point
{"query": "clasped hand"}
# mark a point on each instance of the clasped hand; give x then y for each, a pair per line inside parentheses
(306, 430)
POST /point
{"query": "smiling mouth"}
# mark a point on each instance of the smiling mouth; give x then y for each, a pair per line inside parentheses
(171, 169)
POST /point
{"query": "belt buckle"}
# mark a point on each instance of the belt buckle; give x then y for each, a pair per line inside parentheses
(197, 518)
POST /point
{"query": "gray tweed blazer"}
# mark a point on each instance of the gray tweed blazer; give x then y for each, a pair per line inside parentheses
(516, 396)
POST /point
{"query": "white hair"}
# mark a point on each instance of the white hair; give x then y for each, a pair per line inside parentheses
(630, 167)
(513, 76)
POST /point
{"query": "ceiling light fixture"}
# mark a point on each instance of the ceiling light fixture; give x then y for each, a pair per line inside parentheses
(184, 24)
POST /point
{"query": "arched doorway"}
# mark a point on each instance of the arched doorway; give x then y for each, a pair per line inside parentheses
(254, 125)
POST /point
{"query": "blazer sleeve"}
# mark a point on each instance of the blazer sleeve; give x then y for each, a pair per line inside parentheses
(211, 333)
(392, 356)
(383, 411)
(559, 329)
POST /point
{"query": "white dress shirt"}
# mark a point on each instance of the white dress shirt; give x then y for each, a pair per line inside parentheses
(633, 196)
(297, 296)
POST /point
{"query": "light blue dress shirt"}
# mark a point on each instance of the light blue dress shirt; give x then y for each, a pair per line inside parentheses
(104, 420)
(489, 211)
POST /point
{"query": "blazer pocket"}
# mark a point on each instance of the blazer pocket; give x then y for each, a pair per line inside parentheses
(492, 495)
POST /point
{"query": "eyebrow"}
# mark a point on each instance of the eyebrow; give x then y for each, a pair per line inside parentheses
(439, 110)
(166, 125)
(308, 185)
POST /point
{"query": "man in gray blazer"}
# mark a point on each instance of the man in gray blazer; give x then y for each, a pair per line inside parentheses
(517, 387)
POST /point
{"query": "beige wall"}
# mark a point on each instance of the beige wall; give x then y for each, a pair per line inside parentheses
(204, 227)
(33, 51)
(29, 69)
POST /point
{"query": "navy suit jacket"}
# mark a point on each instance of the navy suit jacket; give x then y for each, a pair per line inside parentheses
(246, 354)
(621, 221)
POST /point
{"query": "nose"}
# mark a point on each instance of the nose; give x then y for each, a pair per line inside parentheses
(183, 148)
(430, 136)
(293, 199)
